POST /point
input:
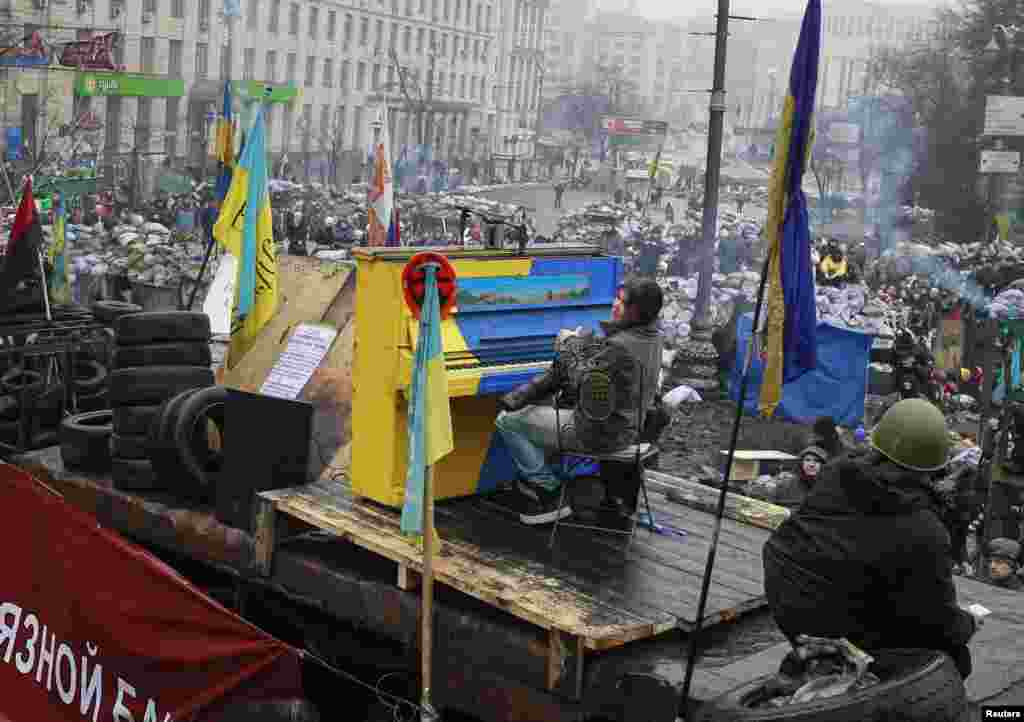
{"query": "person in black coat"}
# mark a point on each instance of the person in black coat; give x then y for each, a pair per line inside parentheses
(866, 556)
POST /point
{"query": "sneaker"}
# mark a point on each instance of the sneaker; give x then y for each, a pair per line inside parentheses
(544, 505)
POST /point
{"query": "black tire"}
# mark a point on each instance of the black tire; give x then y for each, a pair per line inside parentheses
(135, 420)
(128, 447)
(133, 475)
(10, 409)
(162, 327)
(85, 441)
(89, 376)
(289, 710)
(163, 453)
(202, 463)
(155, 384)
(177, 353)
(93, 402)
(45, 439)
(110, 311)
(918, 685)
(19, 378)
(48, 406)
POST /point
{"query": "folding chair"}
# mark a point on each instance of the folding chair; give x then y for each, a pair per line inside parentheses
(595, 399)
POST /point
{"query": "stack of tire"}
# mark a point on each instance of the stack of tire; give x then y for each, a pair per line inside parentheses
(157, 356)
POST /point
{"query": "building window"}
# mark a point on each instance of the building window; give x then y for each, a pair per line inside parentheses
(376, 77)
(346, 71)
(268, 124)
(271, 73)
(204, 14)
(339, 128)
(479, 17)
(408, 8)
(202, 59)
(291, 62)
(361, 76)
(149, 6)
(325, 126)
(379, 37)
(364, 31)
(226, 53)
(171, 127)
(447, 10)
(332, 25)
(310, 71)
(314, 20)
(394, 36)
(177, 8)
(143, 119)
(273, 21)
(174, 52)
(420, 34)
(286, 140)
(462, 86)
(248, 63)
(328, 73)
(253, 15)
(147, 53)
(293, 19)
(391, 77)
(469, 12)
(348, 30)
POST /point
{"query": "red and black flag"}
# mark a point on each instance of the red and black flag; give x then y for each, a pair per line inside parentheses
(22, 256)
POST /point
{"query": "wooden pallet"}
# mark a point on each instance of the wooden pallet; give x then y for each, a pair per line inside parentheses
(589, 593)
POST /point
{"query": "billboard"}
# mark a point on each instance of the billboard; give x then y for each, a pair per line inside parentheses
(616, 126)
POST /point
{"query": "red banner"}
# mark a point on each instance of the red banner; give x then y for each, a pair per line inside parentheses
(95, 628)
(92, 54)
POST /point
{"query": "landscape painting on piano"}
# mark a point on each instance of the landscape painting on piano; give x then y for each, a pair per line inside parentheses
(522, 290)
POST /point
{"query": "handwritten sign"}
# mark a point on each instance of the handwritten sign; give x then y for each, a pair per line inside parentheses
(221, 296)
(306, 348)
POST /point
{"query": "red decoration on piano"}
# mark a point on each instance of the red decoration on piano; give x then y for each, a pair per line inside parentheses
(414, 283)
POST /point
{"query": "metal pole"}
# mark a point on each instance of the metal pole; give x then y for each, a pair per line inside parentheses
(714, 164)
(427, 713)
(722, 495)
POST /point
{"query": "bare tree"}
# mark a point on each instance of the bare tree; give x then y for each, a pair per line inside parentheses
(417, 93)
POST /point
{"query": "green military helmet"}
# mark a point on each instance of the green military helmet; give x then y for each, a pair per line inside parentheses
(913, 434)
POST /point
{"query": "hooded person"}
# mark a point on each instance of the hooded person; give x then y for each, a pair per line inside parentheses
(866, 556)
(812, 460)
(1004, 563)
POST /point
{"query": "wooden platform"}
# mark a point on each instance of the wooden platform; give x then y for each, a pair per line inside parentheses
(589, 591)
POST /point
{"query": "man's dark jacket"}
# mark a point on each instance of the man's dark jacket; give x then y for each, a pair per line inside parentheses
(867, 557)
(630, 353)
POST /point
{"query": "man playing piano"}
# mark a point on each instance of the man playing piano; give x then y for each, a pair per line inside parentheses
(627, 358)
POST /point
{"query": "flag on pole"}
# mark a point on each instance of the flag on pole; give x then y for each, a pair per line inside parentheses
(430, 419)
(381, 194)
(22, 254)
(395, 229)
(790, 335)
(245, 229)
(224, 150)
(60, 289)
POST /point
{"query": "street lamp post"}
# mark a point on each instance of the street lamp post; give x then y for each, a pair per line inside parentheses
(1002, 48)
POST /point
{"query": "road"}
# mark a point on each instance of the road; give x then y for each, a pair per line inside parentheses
(540, 202)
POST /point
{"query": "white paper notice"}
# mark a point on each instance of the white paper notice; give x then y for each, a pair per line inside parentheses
(221, 296)
(306, 348)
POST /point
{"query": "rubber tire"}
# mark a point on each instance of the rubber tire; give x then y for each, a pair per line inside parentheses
(155, 384)
(285, 710)
(177, 353)
(45, 438)
(167, 464)
(109, 311)
(129, 447)
(918, 685)
(85, 441)
(10, 409)
(192, 448)
(133, 475)
(135, 420)
(18, 378)
(93, 402)
(48, 406)
(94, 378)
(161, 327)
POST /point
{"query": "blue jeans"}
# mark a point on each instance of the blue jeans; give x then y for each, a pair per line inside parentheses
(530, 434)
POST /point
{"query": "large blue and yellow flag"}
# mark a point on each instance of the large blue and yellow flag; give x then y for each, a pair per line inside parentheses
(430, 418)
(60, 289)
(791, 320)
(245, 229)
(224, 149)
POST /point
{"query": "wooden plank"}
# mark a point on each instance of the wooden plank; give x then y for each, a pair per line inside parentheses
(704, 498)
(264, 528)
(530, 595)
(408, 579)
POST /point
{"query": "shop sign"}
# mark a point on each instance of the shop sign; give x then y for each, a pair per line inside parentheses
(255, 90)
(128, 84)
(32, 54)
(614, 126)
(92, 54)
(1004, 115)
(1000, 161)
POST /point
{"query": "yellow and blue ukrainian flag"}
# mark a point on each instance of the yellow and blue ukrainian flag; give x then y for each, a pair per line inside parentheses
(790, 330)
(430, 418)
(245, 229)
(224, 149)
(60, 289)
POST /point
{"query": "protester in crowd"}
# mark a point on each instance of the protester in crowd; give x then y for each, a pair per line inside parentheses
(793, 493)
(631, 343)
(670, 214)
(1004, 563)
(559, 192)
(866, 556)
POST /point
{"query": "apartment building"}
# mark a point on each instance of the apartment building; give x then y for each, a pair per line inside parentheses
(468, 66)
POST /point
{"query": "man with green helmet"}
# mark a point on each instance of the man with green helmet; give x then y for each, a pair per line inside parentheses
(867, 557)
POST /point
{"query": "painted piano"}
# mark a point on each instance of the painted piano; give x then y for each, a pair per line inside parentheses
(509, 310)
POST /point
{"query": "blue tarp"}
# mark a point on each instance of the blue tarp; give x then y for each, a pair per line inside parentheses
(836, 387)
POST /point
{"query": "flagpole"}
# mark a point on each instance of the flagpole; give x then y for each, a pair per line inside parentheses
(46, 291)
(427, 713)
(7, 178)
